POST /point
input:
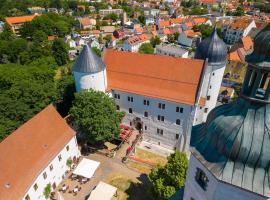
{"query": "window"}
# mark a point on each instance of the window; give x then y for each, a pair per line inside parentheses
(130, 99)
(67, 148)
(35, 187)
(179, 109)
(177, 136)
(59, 157)
(145, 127)
(146, 114)
(159, 131)
(208, 97)
(146, 102)
(130, 110)
(213, 74)
(51, 167)
(178, 122)
(117, 107)
(201, 178)
(44, 175)
(117, 96)
(206, 110)
(210, 86)
(27, 197)
(161, 105)
(160, 118)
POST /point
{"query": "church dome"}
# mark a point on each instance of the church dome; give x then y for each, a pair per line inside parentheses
(234, 143)
(88, 62)
(212, 48)
(261, 53)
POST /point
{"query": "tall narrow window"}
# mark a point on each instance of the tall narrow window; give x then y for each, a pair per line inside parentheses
(67, 148)
(44, 175)
(117, 107)
(178, 122)
(35, 187)
(177, 136)
(59, 157)
(146, 114)
(130, 110)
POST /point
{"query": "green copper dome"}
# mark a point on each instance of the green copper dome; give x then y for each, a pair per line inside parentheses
(234, 142)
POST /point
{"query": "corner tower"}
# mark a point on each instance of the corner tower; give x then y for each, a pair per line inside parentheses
(214, 51)
(89, 71)
(230, 156)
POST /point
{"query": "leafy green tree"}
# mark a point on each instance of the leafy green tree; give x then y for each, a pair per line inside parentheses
(170, 178)
(60, 51)
(47, 190)
(239, 11)
(142, 19)
(97, 51)
(155, 41)
(146, 48)
(96, 115)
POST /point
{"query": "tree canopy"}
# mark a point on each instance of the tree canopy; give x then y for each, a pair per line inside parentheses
(146, 48)
(169, 179)
(155, 41)
(60, 51)
(95, 114)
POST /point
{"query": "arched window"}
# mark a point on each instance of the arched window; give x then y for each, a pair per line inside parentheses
(178, 122)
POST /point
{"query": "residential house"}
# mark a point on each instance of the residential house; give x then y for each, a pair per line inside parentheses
(16, 22)
(86, 23)
(36, 155)
(36, 10)
(238, 28)
(133, 43)
(104, 12)
(171, 50)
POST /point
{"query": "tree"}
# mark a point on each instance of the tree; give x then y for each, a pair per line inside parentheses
(142, 19)
(96, 115)
(60, 51)
(146, 48)
(170, 178)
(239, 11)
(97, 51)
(155, 41)
(47, 190)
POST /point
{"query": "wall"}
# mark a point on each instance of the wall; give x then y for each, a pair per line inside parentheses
(96, 81)
(169, 126)
(216, 190)
(55, 175)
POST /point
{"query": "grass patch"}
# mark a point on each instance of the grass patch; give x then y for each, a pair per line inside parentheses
(139, 167)
(236, 68)
(150, 157)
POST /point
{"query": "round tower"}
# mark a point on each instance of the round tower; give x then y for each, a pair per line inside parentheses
(214, 51)
(89, 71)
(231, 151)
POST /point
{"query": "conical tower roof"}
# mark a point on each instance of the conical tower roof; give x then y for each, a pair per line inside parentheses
(212, 48)
(88, 62)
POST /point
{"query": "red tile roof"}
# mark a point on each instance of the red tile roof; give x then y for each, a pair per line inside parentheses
(137, 39)
(247, 43)
(164, 23)
(19, 20)
(29, 149)
(163, 77)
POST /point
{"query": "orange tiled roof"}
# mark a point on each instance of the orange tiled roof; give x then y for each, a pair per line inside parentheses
(176, 20)
(234, 56)
(27, 153)
(164, 23)
(51, 38)
(208, 1)
(247, 43)
(241, 23)
(85, 21)
(19, 20)
(192, 34)
(200, 20)
(137, 39)
(163, 77)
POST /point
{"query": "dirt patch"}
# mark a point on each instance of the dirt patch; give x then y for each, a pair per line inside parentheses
(141, 168)
(150, 157)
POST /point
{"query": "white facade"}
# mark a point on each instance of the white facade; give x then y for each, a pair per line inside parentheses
(96, 81)
(213, 76)
(215, 189)
(54, 172)
(232, 35)
(133, 47)
(173, 124)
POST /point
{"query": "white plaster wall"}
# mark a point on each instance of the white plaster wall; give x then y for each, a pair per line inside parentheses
(169, 126)
(216, 190)
(96, 81)
(215, 78)
(56, 175)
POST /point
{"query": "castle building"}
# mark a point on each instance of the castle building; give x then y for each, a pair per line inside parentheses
(160, 95)
(230, 152)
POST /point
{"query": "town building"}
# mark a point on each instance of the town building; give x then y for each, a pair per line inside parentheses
(171, 50)
(104, 12)
(238, 28)
(86, 23)
(16, 23)
(133, 43)
(36, 155)
(162, 96)
(230, 152)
